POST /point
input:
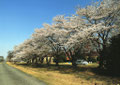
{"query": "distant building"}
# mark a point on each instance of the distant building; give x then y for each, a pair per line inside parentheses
(1, 58)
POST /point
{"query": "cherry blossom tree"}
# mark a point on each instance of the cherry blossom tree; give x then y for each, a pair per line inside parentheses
(106, 13)
(96, 23)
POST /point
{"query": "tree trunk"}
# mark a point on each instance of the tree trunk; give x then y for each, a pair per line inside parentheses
(41, 60)
(74, 63)
(57, 63)
(28, 62)
(47, 61)
(102, 57)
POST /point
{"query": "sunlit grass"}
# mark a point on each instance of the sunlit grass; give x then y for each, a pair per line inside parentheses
(67, 75)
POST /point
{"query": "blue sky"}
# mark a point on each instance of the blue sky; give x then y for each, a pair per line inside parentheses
(19, 18)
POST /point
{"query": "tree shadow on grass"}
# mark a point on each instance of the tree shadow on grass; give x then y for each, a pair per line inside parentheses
(87, 73)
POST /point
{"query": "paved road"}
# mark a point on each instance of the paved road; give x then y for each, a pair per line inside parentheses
(12, 76)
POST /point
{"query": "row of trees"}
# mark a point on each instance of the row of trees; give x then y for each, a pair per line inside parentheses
(93, 25)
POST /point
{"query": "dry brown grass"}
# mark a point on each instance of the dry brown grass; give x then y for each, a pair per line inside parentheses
(66, 75)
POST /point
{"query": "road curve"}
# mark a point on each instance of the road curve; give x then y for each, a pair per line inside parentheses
(12, 76)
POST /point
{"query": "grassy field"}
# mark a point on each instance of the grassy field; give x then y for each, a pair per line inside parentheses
(65, 74)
